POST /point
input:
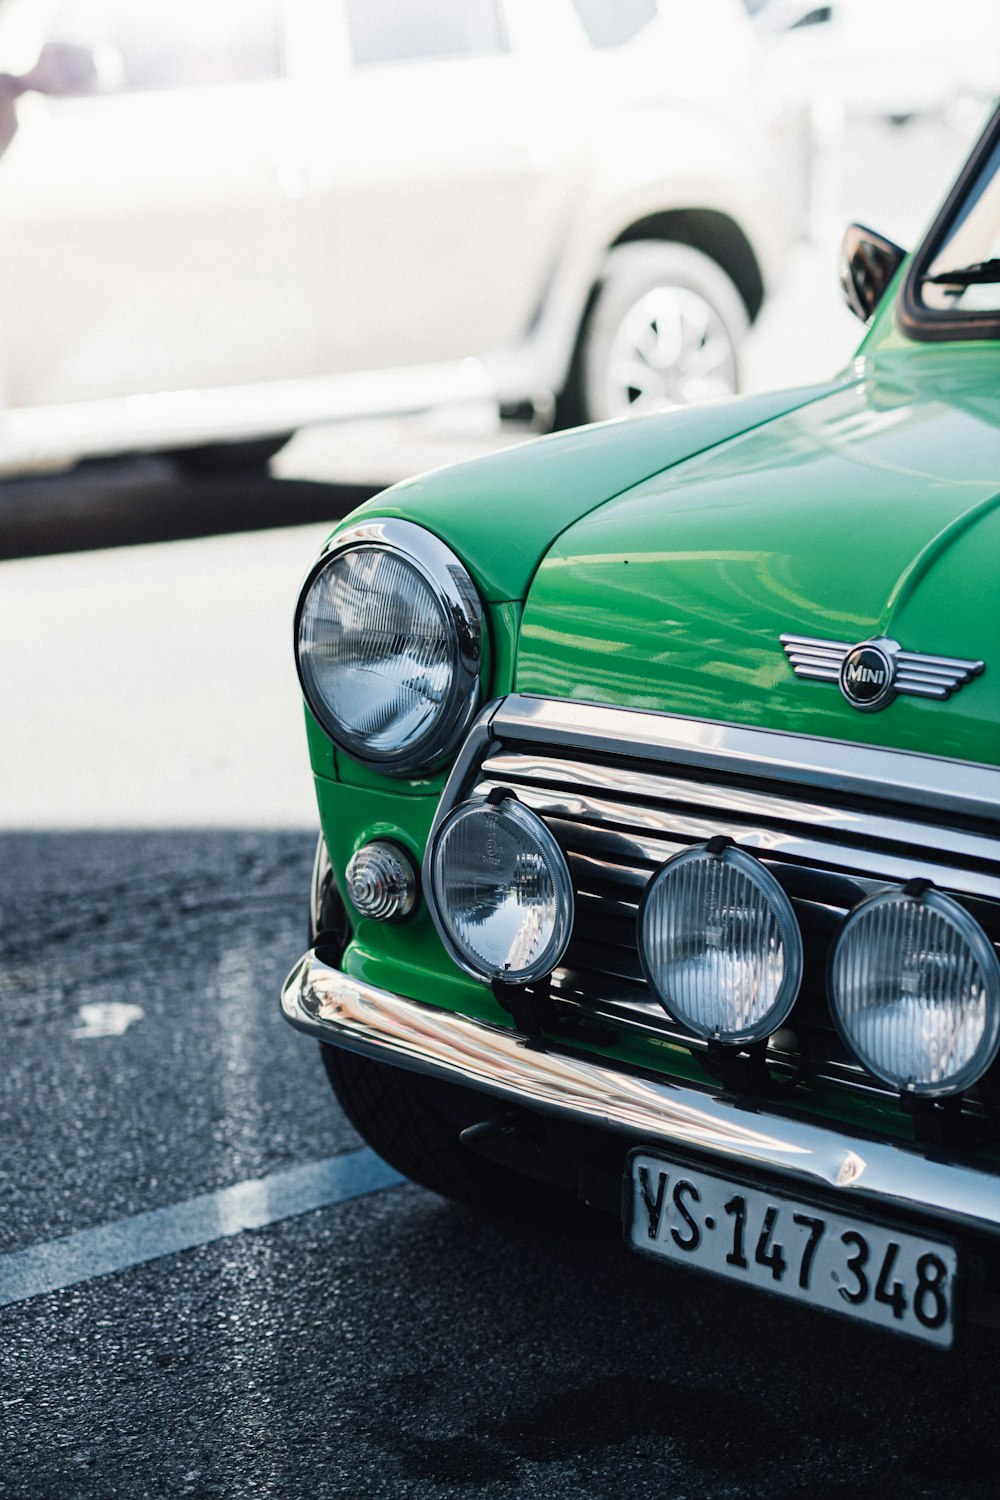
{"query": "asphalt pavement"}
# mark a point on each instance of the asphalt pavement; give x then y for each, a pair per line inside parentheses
(380, 1342)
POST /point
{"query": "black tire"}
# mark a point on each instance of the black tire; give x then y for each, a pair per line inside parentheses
(413, 1123)
(663, 298)
(229, 458)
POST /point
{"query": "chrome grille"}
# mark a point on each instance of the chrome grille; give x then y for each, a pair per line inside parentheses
(620, 805)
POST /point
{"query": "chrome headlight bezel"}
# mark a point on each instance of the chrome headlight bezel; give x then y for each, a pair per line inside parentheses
(454, 595)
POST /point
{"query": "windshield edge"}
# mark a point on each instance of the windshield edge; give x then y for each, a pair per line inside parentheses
(928, 324)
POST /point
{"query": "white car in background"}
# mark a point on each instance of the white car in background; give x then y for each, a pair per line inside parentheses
(897, 59)
(265, 213)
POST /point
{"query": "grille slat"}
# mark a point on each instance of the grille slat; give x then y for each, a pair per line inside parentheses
(597, 914)
(640, 834)
(696, 797)
(601, 877)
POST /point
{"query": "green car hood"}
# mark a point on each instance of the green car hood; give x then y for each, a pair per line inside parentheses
(501, 513)
(872, 511)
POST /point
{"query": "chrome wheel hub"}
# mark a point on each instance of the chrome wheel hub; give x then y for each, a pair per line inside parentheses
(671, 349)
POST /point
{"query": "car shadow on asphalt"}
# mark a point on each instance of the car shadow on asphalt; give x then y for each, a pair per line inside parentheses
(126, 502)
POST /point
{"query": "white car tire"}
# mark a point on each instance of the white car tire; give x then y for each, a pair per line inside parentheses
(664, 330)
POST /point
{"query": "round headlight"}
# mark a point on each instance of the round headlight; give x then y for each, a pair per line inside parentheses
(501, 890)
(720, 945)
(915, 990)
(388, 640)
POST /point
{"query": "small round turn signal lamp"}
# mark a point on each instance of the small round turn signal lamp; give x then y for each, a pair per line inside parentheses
(382, 882)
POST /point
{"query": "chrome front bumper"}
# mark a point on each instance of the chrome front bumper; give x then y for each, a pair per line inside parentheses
(873, 1174)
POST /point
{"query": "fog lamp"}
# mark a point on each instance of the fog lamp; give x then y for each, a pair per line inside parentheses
(915, 991)
(720, 945)
(381, 882)
(501, 891)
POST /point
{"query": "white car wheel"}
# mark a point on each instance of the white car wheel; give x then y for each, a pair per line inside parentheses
(664, 331)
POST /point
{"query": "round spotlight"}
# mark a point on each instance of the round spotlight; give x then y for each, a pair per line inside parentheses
(720, 945)
(501, 891)
(381, 882)
(915, 992)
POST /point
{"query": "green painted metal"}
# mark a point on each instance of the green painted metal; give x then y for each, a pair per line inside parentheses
(351, 816)
(501, 514)
(875, 511)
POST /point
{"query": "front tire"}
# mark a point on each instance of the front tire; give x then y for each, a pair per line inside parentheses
(414, 1124)
(663, 330)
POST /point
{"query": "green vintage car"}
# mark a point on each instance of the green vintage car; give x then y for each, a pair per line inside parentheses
(658, 768)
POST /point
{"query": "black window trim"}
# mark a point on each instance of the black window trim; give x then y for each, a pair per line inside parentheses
(931, 325)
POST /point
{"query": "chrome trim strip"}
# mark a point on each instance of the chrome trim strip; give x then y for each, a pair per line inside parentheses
(957, 787)
(656, 789)
(873, 1174)
(654, 836)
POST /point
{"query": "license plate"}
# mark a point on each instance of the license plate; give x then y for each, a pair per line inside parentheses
(900, 1281)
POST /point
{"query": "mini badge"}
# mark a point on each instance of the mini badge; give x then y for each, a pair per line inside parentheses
(872, 673)
(867, 677)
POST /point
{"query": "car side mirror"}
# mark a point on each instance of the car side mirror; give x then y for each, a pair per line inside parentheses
(63, 70)
(868, 262)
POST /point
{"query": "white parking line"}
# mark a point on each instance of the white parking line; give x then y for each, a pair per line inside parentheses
(55, 1264)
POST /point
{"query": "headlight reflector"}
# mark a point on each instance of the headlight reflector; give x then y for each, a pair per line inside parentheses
(388, 641)
(720, 944)
(502, 894)
(915, 991)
